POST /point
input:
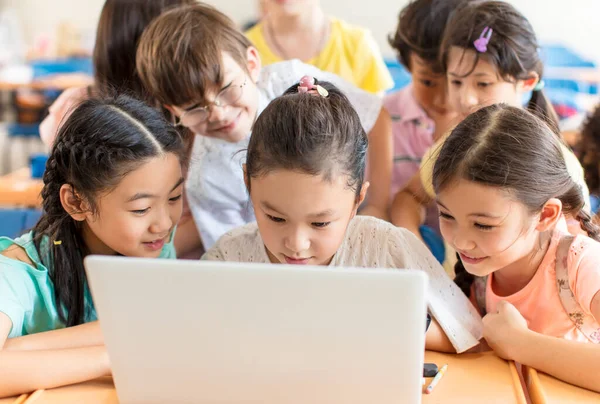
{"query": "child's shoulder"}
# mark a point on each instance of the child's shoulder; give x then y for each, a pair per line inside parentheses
(371, 230)
(20, 249)
(242, 244)
(349, 31)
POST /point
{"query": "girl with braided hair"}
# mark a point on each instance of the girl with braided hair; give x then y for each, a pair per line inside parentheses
(504, 190)
(112, 186)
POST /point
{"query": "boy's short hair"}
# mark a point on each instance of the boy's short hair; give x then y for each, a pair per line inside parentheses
(179, 56)
(589, 151)
(421, 26)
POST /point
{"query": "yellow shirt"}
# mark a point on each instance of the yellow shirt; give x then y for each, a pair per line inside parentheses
(350, 52)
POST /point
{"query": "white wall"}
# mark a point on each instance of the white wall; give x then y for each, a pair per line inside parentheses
(575, 23)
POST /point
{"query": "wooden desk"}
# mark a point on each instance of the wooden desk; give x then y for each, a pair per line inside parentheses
(475, 378)
(54, 82)
(545, 389)
(471, 378)
(13, 400)
(19, 189)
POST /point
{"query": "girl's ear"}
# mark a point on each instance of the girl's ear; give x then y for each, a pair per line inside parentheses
(254, 63)
(361, 197)
(529, 83)
(550, 215)
(73, 204)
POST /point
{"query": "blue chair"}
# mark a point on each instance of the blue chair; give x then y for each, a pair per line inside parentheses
(400, 75)
(556, 55)
(17, 221)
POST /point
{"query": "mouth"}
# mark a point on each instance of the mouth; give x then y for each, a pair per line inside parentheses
(466, 259)
(155, 245)
(228, 126)
(296, 261)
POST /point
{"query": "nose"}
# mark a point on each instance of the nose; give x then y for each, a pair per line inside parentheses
(217, 113)
(297, 241)
(468, 101)
(462, 241)
(162, 222)
(441, 98)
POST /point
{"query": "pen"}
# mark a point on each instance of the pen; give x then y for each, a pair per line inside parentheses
(436, 379)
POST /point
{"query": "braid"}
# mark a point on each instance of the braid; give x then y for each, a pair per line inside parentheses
(588, 225)
(58, 225)
(462, 278)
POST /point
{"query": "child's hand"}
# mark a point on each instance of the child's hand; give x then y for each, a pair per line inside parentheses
(504, 330)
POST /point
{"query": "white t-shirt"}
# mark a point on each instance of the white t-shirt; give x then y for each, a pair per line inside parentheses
(215, 188)
(373, 243)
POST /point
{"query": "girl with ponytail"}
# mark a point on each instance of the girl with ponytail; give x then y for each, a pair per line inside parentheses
(112, 186)
(503, 191)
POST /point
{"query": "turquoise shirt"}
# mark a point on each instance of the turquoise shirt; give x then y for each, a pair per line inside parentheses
(27, 292)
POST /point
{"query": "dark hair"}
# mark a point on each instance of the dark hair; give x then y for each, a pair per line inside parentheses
(508, 147)
(589, 151)
(513, 47)
(100, 142)
(311, 134)
(420, 29)
(179, 57)
(120, 26)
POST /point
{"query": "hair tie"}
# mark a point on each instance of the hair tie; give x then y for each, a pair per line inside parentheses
(481, 43)
(539, 86)
(57, 242)
(309, 85)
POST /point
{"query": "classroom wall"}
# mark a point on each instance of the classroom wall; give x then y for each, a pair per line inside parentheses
(554, 20)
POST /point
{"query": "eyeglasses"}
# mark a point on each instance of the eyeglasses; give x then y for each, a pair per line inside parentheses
(196, 116)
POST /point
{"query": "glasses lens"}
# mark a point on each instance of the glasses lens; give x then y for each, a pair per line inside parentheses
(194, 117)
(230, 95)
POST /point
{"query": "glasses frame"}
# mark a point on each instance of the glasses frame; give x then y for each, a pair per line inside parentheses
(217, 103)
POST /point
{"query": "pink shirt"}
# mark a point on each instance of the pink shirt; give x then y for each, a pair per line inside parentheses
(539, 301)
(413, 135)
(413, 131)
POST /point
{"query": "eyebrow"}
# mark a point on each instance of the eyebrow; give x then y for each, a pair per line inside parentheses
(472, 74)
(141, 195)
(476, 214)
(324, 213)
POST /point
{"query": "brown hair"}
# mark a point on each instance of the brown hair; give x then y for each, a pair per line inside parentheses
(589, 151)
(513, 46)
(508, 147)
(311, 134)
(179, 55)
(119, 29)
(420, 28)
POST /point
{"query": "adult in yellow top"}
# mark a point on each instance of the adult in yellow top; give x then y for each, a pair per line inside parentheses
(301, 30)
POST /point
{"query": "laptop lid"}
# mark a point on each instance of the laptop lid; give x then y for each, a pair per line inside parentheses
(212, 332)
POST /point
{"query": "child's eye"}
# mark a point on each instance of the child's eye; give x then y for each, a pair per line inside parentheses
(483, 227)
(320, 224)
(455, 82)
(446, 216)
(427, 83)
(484, 85)
(141, 211)
(175, 198)
(276, 219)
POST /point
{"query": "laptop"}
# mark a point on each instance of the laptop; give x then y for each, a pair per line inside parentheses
(212, 332)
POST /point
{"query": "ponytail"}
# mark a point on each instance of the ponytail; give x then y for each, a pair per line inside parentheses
(540, 106)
